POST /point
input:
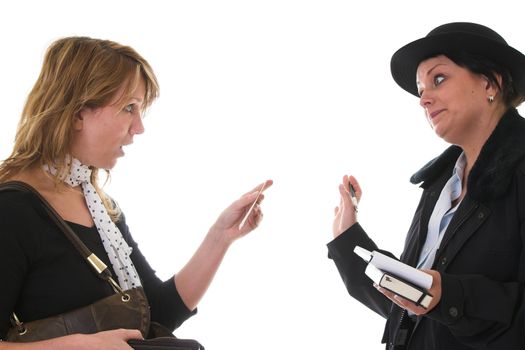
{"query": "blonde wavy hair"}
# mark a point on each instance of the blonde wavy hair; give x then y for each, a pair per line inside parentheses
(77, 72)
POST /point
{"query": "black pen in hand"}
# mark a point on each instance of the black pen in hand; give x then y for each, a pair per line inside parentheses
(353, 196)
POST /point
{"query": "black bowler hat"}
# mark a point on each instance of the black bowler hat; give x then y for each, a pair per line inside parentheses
(452, 37)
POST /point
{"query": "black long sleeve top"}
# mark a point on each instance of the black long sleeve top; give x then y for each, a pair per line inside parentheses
(42, 274)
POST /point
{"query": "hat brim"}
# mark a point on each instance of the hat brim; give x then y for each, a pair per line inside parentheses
(405, 61)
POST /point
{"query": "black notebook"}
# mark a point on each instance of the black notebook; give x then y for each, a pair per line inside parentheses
(399, 286)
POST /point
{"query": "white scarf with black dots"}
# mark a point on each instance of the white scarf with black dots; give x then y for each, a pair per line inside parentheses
(116, 247)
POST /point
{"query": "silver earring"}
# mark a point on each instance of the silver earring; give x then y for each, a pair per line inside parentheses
(491, 99)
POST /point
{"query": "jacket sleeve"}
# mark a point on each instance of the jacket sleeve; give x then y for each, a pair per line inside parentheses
(167, 307)
(482, 313)
(352, 268)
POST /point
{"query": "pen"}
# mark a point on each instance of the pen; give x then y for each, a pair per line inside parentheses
(354, 197)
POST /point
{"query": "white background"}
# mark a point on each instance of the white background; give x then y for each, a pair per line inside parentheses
(296, 91)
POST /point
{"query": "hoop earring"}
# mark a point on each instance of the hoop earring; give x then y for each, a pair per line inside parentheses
(491, 98)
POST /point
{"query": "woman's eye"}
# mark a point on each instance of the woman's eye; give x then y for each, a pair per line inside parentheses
(129, 108)
(438, 79)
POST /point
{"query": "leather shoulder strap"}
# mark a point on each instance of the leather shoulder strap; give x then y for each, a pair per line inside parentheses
(100, 268)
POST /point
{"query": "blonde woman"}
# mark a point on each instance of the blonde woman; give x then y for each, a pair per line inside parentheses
(85, 107)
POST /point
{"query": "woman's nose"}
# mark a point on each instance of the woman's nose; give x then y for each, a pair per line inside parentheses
(137, 127)
(425, 100)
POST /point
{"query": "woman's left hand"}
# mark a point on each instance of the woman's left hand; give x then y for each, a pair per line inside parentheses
(195, 277)
(346, 213)
(435, 291)
(229, 222)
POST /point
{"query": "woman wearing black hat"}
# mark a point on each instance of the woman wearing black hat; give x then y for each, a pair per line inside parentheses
(468, 231)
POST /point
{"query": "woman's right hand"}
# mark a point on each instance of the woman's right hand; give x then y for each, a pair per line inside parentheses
(116, 339)
(346, 212)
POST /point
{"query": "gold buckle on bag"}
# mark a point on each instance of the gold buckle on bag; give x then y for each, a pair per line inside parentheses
(125, 296)
(19, 325)
(99, 267)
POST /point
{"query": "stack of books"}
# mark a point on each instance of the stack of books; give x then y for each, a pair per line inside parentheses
(397, 277)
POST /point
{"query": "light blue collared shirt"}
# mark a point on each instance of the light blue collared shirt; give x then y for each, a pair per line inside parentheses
(442, 214)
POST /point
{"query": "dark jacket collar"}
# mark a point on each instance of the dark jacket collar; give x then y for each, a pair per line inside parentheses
(492, 173)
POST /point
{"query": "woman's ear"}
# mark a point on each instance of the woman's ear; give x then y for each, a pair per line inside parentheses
(493, 88)
(79, 118)
(78, 122)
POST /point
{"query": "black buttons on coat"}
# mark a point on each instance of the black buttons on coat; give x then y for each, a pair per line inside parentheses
(453, 312)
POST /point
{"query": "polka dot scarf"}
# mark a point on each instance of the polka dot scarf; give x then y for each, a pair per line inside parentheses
(116, 247)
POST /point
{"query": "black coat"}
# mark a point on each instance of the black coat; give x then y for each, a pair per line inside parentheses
(481, 257)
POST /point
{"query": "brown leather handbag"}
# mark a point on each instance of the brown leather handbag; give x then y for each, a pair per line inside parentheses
(128, 310)
(124, 309)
